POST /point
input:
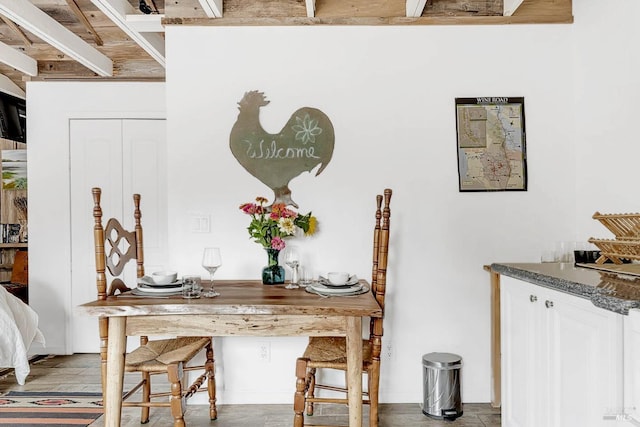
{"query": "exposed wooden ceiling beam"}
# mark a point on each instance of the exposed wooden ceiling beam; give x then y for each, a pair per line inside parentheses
(117, 11)
(369, 12)
(311, 8)
(415, 8)
(82, 18)
(7, 86)
(146, 23)
(510, 6)
(37, 22)
(423, 20)
(213, 8)
(18, 60)
(27, 42)
(49, 68)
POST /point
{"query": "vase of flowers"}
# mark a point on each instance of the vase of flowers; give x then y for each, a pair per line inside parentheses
(272, 273)
(269, 226)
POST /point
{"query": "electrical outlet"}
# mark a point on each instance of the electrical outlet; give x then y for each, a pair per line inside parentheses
(264, 351)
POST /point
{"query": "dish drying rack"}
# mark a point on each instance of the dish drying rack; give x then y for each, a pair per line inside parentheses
(626, 245)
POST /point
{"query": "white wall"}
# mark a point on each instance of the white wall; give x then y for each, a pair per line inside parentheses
(607, 87)
(50, 105)
(390, 94)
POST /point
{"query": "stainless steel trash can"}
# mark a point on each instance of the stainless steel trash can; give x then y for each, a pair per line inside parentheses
(441, 385)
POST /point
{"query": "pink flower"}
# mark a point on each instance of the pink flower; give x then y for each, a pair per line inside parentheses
(251, 209)
(248, 208)
(277, 243)
(288, 213)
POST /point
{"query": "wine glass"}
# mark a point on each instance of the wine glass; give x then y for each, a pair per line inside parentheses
(211, 261)
(292, 259)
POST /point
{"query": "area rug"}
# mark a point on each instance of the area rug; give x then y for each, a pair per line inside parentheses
(28, 408)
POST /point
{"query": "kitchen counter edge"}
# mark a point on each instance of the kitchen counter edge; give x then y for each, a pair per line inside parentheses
(569, 279)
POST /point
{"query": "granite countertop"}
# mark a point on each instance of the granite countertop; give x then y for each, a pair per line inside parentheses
(610, 291)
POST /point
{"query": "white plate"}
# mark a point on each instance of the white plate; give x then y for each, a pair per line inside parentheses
(353, 279)
(148, 281)
(362, 290)
(319, 287)
(146, 290)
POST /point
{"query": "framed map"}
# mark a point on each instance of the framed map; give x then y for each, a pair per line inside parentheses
(491, 144)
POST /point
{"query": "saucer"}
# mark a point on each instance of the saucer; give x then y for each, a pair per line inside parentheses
(147, 290)
(321, 288)
(148, 282)
(325, 291)
(353, 279)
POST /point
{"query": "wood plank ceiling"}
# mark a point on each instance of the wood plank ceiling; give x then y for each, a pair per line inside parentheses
(114, 39)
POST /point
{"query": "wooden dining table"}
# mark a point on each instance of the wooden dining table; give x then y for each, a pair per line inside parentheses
(244, 308)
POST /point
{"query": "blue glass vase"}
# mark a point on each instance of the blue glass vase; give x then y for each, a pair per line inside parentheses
(272, 274)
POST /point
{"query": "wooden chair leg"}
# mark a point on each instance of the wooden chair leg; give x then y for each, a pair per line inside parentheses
(103, 323)
(211, 382)
(373, 381)
(177, 403)
(311, 390)
(103, 374)
(146, 392)
(298, 399)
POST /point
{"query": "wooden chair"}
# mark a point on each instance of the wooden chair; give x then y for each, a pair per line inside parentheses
(330, 352)
(166, 356)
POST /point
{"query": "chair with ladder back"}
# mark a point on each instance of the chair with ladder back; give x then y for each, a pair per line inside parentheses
(330, 352)
(166, 356)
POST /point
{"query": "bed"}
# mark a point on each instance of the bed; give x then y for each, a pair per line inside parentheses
(19, 326)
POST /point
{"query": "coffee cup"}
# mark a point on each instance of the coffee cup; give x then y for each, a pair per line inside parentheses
(164, 277)
(337, 277)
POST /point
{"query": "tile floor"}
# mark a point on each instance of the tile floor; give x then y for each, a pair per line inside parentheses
(80, 373)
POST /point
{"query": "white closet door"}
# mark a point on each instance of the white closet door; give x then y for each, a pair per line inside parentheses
(122, 157)
(145, 165)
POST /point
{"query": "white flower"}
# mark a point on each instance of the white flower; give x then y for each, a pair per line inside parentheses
(286, 226)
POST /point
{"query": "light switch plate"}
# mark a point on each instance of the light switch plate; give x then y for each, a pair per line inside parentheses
(200, 224)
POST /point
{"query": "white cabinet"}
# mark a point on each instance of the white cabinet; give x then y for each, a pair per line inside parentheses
(561, 358)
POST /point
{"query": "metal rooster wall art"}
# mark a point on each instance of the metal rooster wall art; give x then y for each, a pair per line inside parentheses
(305, 141)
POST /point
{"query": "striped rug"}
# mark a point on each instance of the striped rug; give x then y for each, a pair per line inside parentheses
(28, 408)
